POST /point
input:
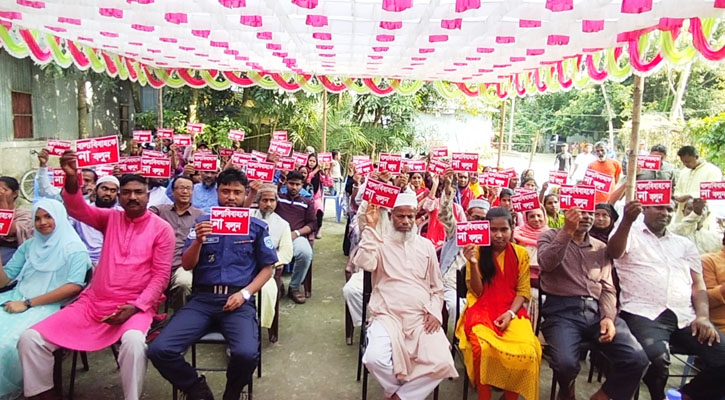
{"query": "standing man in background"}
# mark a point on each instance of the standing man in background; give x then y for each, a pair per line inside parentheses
(605, 165)
(696, 171)
(582, 163)
(563, 160)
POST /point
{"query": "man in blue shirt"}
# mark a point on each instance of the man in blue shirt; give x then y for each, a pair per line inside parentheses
(228, 271)
(205, 192)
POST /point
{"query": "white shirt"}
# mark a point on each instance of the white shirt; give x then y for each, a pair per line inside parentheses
(654, 274)
(157, 197)
(280, 233)
(582, 163)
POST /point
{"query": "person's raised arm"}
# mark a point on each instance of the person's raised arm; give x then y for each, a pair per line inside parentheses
(191, 255)
(76, 205)
(618, 242)
(551, 247)
(367, 256)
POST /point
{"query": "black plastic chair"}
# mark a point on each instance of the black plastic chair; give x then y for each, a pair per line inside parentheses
(367, 290)
(214, 337)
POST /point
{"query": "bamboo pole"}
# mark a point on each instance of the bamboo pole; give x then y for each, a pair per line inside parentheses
(324, 120)
(160, 108)
(500, 133)
(533, 148)
(634, 137)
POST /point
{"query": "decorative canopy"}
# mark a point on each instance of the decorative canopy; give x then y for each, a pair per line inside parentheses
(489, 48)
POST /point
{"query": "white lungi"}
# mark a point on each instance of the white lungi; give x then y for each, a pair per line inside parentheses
(36, 358)
(353, 293)
(378, 359)
(269, 300)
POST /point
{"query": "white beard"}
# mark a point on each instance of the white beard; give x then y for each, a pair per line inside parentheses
(404, 237)
(265, 215)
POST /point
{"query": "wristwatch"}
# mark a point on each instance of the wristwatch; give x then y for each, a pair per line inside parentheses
(297, 232)
(513, 314)
(246, 294)
(27, 303)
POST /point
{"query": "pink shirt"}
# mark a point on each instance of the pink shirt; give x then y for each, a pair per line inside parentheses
(134, 268)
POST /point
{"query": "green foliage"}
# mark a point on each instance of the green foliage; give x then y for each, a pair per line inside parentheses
(710, 135)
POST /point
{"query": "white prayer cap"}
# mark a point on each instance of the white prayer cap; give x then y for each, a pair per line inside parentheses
(108, 178)
(479, 203)
(406, 199)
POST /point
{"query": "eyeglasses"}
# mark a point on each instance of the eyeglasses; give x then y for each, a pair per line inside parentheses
(184, 189)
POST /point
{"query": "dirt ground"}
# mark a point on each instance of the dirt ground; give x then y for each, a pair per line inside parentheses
(311, 360)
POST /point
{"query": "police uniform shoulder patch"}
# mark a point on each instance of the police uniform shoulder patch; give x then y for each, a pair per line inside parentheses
(192, 234)
(268, 243)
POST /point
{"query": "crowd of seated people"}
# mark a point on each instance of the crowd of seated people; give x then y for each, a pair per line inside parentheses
(92, 262)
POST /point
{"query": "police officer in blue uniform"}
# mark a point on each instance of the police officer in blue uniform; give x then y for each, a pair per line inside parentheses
(228, 271)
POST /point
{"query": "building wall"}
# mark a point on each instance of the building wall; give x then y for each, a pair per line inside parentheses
(55, 110)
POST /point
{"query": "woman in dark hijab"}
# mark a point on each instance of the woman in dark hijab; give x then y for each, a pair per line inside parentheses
(604, 218)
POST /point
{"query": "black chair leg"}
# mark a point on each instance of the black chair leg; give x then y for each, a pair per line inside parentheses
(174, 393)
(465, 386)
(84, 361)
(365, 384)
(250, 388)
(592, 362)
(73, 375)
(435, 393)
(114, 350)
(58, 372)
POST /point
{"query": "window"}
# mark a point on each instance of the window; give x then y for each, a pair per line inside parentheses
(124, 120)
(22, 115)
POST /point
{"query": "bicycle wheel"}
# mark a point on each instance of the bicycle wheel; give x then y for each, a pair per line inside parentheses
(27, 185)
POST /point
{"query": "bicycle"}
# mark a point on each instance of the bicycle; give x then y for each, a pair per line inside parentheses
(27, 181)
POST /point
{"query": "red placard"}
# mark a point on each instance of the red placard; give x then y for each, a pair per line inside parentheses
(509, 171)
(558, 177)
(152, 154)
(439, 152)
(182, 140)
(601, 182)
(360, 158)
(236, 135)
(57, 147)
(229, 221)
(194, 128)
(103, 170)
(241, 159)
(378, 193)
(224, 152)
(464, 162)
(364, 167)
(324, 158)
(437, 167)
(415, 165)
(577, 196)
(156, 167)
(653, 163)
(279, 135)
(300, 158)
(129, 165)
(58, 177)
(499, 179)
(286, 163)
(390, 163)
(654, 193)
(204, 162)
(525, 201)
(165, 133)
(259, 156)
(142, 136)
(473, 232)
(712, 190)
(97, 151)
(6, 219)
(280, 147)
(260, 171)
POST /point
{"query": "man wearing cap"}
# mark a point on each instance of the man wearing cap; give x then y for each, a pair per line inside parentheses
(407, 351)
(452, 259)
(281, 235)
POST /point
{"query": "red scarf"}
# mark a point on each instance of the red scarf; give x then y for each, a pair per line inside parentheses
(498, 295)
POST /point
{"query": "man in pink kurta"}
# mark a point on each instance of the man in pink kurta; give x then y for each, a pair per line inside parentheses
(123, 297)
(407, 351)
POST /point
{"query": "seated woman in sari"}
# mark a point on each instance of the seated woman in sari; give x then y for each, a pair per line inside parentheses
(496, 338)
(48, 268)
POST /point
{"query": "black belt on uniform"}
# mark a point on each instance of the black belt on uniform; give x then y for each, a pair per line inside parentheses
(217, 289)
